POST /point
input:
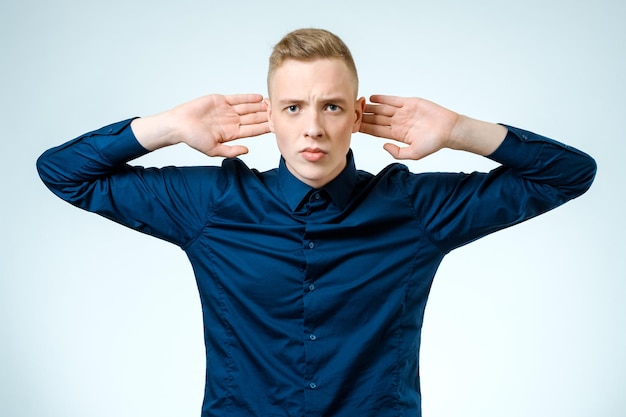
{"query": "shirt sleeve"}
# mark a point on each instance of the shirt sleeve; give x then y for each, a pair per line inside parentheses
(92, 172)
(536, 175)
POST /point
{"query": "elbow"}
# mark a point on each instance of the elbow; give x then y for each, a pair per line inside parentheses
(56, 177)
(582, 180)
(45, 169)
(592, 169)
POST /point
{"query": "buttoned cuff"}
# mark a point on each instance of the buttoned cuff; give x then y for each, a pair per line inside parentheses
(520, 148)
(117, 142)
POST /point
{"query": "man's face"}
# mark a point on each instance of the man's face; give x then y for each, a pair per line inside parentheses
(313, 112)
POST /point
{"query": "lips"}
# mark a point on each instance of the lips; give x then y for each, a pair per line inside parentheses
(313, 154)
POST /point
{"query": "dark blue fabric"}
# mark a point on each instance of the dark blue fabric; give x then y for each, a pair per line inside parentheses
(313, 300)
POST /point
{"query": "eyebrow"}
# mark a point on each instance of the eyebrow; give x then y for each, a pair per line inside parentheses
(330, 99)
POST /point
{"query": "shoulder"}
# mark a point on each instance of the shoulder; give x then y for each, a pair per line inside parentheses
(234, 169)
(397, 180)
(388, 181)
(391, 173)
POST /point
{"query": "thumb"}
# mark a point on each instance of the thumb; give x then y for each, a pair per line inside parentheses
(405, 152)
(228, 151)
(398, 152)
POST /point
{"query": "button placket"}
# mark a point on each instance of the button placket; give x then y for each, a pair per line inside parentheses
(316, 208)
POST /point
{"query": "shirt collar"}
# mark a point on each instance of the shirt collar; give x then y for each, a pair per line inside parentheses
(339, 189)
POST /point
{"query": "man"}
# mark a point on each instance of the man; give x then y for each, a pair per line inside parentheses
(314, 276)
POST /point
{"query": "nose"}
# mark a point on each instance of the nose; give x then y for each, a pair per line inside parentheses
(314, 127)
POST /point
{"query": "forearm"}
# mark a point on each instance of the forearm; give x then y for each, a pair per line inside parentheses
(476, 136)
(91, 172)
(69, 168)
(154, 132)
(536, 174)
(533, 157)
(568, 171)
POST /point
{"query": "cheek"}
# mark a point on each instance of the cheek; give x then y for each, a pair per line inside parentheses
(287, 131)
(284, 142)
(281, 130)
(282, 126)
(344, 129)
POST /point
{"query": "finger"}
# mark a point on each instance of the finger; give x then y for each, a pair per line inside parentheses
(247, 131)
(376, 130)
(383, 109)
(248, 108)
(394, 101)
(253, 118)
(235, 99)
(377, 120)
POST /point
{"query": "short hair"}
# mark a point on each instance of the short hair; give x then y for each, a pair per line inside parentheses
(310, 44)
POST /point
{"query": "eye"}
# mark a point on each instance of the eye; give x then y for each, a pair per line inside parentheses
(292, 109)
(333, 107)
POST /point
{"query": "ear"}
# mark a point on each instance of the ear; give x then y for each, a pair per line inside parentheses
(268, 108)
(359, 109)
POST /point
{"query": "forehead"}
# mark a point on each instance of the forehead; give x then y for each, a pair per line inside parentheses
(328, 76)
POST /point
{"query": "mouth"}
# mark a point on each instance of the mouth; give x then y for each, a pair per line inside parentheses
(312, 154)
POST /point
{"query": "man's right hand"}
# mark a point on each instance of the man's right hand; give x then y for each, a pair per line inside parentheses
(206, 124)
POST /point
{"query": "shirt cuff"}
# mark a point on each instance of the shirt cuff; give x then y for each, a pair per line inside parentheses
(519, 149)
(117, 142)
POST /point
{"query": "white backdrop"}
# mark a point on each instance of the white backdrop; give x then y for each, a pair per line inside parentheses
(97, 320)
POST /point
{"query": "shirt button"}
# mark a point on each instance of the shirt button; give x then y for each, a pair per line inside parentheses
(311, 287)
(312, 385)
(312, 337)
(311, 245)
(317, 196)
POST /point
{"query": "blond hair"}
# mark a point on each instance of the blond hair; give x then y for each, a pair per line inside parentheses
(308, 45)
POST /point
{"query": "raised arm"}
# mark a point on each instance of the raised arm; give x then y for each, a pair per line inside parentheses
(536, 173)
(92, 171)
(427, 127)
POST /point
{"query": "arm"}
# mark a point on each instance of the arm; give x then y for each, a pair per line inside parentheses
(536, 174)
(91, 171)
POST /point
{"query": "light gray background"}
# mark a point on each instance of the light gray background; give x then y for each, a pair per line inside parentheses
(97, 320)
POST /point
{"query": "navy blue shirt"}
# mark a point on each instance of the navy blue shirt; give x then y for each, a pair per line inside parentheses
(313, 299)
